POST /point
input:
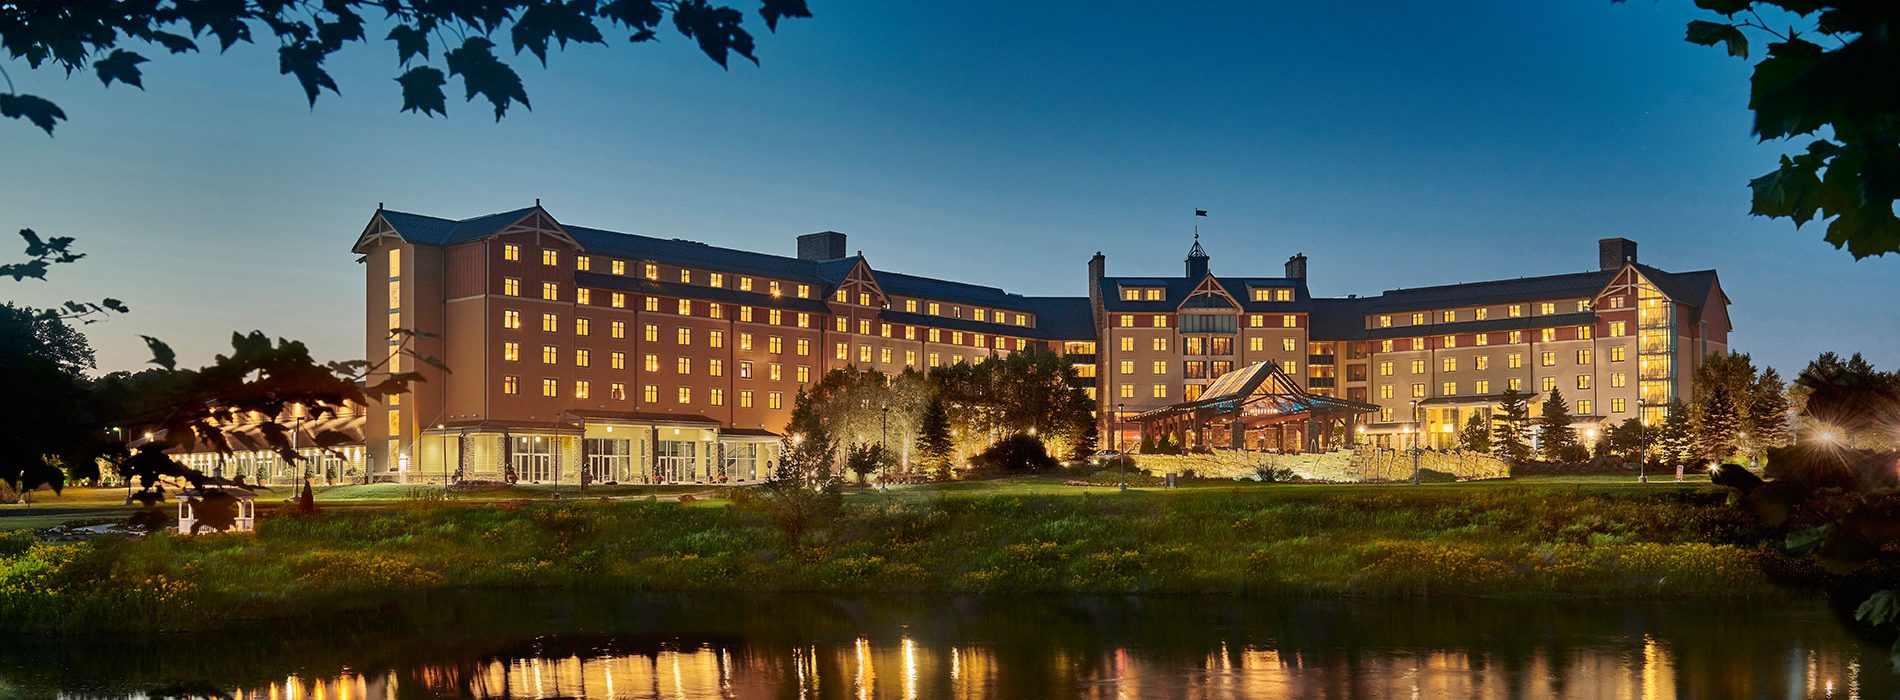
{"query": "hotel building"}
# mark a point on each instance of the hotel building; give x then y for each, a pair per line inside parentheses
(630, 358)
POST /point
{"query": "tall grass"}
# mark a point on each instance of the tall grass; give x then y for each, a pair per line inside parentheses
(1508, 542)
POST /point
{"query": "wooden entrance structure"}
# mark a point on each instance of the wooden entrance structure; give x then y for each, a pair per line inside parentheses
(1258, 407)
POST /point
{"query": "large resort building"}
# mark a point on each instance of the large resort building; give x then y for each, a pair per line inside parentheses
(634, 359)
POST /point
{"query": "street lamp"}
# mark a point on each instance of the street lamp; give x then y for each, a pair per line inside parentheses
(1415, 435)
(1642, 441)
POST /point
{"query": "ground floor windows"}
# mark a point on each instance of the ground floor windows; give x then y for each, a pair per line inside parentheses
(531, 459)
(676, 460)
(608, 460)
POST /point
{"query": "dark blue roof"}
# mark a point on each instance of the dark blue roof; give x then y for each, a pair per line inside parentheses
(1178, 289)
(429, 230)
(1063, 318)
(1338, 319)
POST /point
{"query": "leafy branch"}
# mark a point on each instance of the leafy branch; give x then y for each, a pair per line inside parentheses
(75, 35)
(1851, 176)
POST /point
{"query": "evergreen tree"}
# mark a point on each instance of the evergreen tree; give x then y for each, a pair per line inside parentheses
(1675, 438)
(1627, 438)
(1477, 434)
(1767, 420)
(1557, 441)
(1147, 443)
(1167, 445)
(1714, 424)
(933, 439)
(1510, 426)
(1085, 444)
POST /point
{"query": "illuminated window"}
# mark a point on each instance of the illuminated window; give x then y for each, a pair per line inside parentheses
(550, 291)
(715, 367)
(1550, 384)
(1385, 346)
(683, 365)
(864, 326)
(1482, 386)
(804, 347)
(1583, 332)
(582, 262)
(745, 398)
(715, 339)
(1516, 310)
(1618, 380)
(686, 307)
(1385, 321)
(510, 251)
(550, 387)
(1547, 308)
(550, 257)
(618, 300)
(1161, 344)
(864, 353)
(1616, 405)
(550, 354)
(617, 391)
(1583, 356)
(1618, 329)
(1517, 337)
(1450, 341)
(1450, 364)
(1548, 359)
(1583, 381)
(511, 286)
(652, 333)
(617, 360)
(1418, 367)
(650, 393)
(684, 336)
(745, 369)
(686, 277)
(1128, 367)
(583, 326)
(1160, 367)
(883, 354)
(715, 310)
(804, 291)
(511, 351)
(1584, 407)
(775, 400)
(1514, 360)
(619, 267)
(1256, 344)
(1481, 362)
(652, 303)
(1127, 321)
(1385, 368)
(1128, 391)
(1447, 316)
(1448, 389)
(1481, 339)
(745, 284)
(1161, 391)
(1418, 343)
(775, 345)
(1385, 391)
(1289, 344)
(717, 280)
(1547, 334)
(1515, 384)
(935, 359)
(582, 357)
(910, 359)
(511, 384)
(843, 352)
(1616, 354)
(804, 373)
(1161, 321)
(550, 323)
(1418, 390)
(1289, 321)
(652, 271)
(1256, 320)
(580, 388)
(716, 397)
(745, 341)
(745, 314)
(511, 319)
(686, 394)
(1152, 295)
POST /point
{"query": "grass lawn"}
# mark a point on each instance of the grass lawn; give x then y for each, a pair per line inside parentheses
(83, 504)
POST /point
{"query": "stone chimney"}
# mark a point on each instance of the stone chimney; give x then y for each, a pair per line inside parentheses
(1613, 252)
(1098, 266)
(824, 245)
(1296, 267)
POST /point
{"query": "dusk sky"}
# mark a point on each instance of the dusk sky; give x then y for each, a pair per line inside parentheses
(996, 143)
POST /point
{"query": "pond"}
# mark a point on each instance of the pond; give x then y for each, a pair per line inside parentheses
(544, 644)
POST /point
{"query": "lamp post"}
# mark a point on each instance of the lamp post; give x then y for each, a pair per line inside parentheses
(1119, 457)
(1642, 442)
(884, 426)
(1415, 436)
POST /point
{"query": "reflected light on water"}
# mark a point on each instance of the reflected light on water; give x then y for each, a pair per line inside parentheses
(740, 671)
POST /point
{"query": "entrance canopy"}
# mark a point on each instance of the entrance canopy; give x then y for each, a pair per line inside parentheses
(1252, 398)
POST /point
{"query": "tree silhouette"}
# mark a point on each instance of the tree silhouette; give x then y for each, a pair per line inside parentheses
(1557, 441)
(1476, 436)
(105, 36)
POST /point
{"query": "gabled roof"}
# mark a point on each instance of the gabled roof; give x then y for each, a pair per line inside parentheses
(429, 230)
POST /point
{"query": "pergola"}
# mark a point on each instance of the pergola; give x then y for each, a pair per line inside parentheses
(1257, 407)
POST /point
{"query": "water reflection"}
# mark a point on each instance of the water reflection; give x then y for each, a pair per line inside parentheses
(620, 647)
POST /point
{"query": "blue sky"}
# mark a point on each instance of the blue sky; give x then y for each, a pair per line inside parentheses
(996, 143)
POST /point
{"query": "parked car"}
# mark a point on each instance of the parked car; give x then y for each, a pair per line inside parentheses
(1107, 456)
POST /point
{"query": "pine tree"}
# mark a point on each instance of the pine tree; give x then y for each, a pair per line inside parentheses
(1510, 424)
(1767, 420)
(933, 439)
(1477, 434)
(1675, 439)
(1147, 443)
(1714, 424)
(1557, 441)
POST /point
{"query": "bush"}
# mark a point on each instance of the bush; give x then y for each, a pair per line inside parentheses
(1016, 453)
(1274, 474)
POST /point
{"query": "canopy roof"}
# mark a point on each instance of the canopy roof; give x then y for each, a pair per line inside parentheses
(1261, 389)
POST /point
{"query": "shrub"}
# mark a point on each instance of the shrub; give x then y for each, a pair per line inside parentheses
(1016, 453)
(1274, 474)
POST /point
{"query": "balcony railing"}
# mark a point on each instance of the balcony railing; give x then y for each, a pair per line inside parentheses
(1319, 359)
(1320, 382)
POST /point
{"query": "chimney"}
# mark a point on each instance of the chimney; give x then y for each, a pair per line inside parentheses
(1296, 267)
(1613, 252)
(1098, 266)
(824, 245)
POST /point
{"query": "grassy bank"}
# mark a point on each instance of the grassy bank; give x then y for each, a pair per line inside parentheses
(1457, 540)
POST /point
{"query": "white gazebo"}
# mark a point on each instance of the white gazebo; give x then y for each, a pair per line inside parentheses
(190, 501)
